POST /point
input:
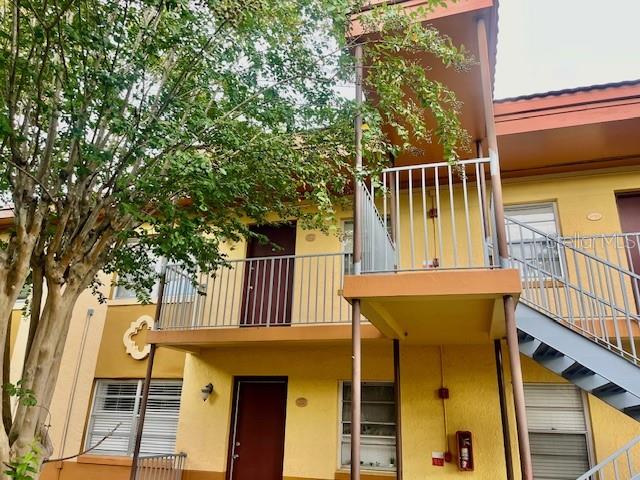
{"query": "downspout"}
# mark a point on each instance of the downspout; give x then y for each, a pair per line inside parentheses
(398, 400)
(508, 300)
(356, 347)
(74, 384)
(504, 415)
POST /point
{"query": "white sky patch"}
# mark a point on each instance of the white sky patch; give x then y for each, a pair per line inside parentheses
(548, 45)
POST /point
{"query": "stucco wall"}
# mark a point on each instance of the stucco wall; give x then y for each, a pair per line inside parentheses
(314, 372)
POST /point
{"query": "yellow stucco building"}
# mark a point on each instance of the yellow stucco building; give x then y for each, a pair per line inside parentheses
(252, 369)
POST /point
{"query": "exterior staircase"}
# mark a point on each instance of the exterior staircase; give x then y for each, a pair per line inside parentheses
(577, 315)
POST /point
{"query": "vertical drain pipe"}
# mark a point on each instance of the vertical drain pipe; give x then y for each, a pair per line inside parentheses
(503, 254)
(74, 385)
(398, 400)
(504, 416)
(356, 376)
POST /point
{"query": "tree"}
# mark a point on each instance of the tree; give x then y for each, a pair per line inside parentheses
(171, 121)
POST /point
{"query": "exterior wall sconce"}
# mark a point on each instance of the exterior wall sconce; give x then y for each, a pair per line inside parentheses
(206, 391)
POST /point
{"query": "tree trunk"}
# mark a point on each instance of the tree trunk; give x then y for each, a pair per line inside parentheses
(42, 366)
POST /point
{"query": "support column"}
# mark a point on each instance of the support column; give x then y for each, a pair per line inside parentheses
(504, 415)
(398, 400)
(503, 254)
(147, 384)
(356, 376)
(143, 411)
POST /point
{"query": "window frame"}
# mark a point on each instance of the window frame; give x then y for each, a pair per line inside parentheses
(134, 415)
(341, 422)
(160, 264)
(588, 431)
(562, 264)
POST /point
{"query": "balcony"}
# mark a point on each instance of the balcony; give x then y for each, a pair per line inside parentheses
(278, 299)
(428, 272)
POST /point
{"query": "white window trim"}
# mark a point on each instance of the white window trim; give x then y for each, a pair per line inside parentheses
(587, 421)
(135, 416)
(556, 217)
(344, 468)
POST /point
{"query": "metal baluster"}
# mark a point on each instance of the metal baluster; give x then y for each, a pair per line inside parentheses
(289, 260)
(301, 287)
(384, 214)
(468, 222)
(397, 239)
(485, 252)
(277, 313)
(411, 230)
(440, 253)
(324, 289)
(263, 268)
(454, 237)
(333, 279)
(425, 226)
(308, 292)
(317, 289)
(270, 298)
(221, 291)
(579, 281)
(233, 295)
(249, 290)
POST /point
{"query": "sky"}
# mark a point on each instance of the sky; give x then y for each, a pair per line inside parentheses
(548, 45)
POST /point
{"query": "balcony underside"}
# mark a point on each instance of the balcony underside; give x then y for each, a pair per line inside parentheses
(436, 307)
(198, 338)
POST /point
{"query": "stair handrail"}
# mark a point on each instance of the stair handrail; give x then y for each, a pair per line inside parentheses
(563, 241)
(621, 453)
(557, 295)
(577, 250)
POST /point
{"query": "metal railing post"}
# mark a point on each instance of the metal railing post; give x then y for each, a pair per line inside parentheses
(357, 265)
(503, 253)
(143, 412)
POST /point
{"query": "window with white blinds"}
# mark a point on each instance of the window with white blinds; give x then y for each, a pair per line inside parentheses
(530, 247)
(377, 427)
(557, 431)
(118, 402)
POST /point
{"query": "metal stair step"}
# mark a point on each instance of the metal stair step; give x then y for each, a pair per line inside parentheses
(558, 364)
(589, 383)
(622, 401)
(529, 347)
(633, 412)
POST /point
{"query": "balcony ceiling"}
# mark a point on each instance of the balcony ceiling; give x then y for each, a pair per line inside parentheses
(460, 25)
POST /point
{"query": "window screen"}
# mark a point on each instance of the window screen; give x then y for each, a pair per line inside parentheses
(118, 402)
(378, 426)
(557, 431)
(539, 257)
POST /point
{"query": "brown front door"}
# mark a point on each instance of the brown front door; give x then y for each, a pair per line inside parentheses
(257, 434)
(268, 277)
(629, 211)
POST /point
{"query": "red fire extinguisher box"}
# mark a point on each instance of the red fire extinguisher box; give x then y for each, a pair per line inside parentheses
(464, 442)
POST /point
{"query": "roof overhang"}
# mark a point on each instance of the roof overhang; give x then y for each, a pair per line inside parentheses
(458, 21)
(589, 127)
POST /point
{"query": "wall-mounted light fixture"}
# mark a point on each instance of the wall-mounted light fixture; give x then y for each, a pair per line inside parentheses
(206, 391)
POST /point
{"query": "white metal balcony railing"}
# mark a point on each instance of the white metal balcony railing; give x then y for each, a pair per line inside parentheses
(591, 295)
(623, 464)
(160, 467)
(443, 215)
(268, 291)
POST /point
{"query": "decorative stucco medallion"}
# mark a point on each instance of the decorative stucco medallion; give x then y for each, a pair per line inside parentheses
(130, 344)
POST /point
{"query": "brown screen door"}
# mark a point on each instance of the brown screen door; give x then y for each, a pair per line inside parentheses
(268, 277)
(629, 211)
(257, 435)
